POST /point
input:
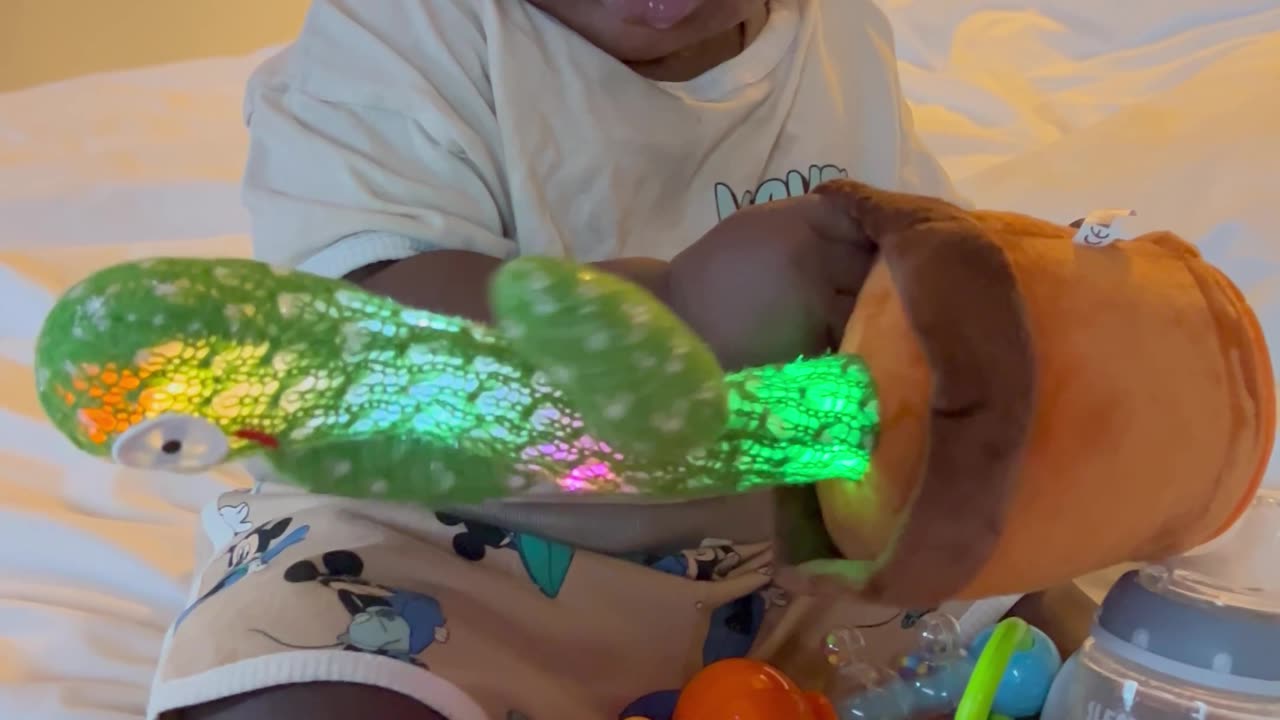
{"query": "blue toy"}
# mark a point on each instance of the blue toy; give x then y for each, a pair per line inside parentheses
(1005, 673)
(1025, 682)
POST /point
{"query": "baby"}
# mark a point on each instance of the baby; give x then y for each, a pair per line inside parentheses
(412, 147)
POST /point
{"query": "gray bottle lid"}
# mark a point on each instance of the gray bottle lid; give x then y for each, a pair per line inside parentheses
(1233, 648)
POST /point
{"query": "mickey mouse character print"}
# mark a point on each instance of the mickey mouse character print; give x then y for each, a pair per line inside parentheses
(398, 624)
(251, 553)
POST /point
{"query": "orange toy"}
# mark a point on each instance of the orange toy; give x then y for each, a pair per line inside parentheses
(1049, 405)
(740, 689)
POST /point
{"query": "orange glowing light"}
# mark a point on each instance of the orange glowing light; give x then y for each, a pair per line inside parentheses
(114, 412)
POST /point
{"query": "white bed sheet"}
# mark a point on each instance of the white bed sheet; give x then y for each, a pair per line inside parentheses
(1055, 110)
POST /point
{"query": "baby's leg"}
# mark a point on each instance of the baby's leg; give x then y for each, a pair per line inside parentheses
(1064, 612)
(309, 608)
(318, 701)
(336, 608)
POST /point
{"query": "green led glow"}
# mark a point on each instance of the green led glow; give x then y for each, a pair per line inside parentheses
(587, 385)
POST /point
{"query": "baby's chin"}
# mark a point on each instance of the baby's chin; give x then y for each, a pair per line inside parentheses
(615, 27)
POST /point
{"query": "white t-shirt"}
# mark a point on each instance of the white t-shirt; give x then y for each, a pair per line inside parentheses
(393, 128)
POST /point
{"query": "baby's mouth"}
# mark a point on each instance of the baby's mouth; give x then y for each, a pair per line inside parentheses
(266, 440)
(658, 14)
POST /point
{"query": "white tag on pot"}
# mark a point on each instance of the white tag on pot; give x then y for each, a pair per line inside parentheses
(1103, 227)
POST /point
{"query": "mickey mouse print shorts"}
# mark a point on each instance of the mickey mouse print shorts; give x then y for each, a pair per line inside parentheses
(474, 621)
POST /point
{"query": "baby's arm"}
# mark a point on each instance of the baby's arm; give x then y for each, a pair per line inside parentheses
(384, 164)
(455, 282)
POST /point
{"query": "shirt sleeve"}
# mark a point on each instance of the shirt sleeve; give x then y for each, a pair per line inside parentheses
(373, 138)
(920, 172)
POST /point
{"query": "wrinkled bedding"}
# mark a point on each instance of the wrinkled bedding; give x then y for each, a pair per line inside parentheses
(1052, 107)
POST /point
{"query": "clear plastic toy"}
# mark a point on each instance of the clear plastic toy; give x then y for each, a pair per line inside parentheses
(1005, 672)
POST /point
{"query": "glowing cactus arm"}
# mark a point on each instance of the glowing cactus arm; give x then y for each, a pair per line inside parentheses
(184, 364)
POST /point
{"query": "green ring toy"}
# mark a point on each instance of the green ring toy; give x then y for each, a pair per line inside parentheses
(1011, 635)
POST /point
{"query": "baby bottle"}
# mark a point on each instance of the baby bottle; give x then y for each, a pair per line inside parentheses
(1197, 637)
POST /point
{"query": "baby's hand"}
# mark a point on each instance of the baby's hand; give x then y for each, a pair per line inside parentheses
(773, 282)
(800, 538)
